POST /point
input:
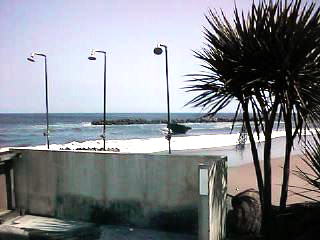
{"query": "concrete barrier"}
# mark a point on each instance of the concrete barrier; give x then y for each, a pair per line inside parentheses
(3, 193)
(143, 190)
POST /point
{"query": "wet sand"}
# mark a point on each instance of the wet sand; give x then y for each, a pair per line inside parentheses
(243, 177)
(240, 157)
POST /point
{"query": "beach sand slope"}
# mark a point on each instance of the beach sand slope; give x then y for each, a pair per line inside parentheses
(243, 177)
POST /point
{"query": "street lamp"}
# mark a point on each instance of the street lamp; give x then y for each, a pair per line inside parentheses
(32, 59)
(93, 57)
(158, 51)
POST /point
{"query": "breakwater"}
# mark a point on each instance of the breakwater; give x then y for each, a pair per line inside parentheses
(163, 121)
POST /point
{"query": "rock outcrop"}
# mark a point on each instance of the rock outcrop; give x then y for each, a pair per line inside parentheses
(162, 121)
(246, 216)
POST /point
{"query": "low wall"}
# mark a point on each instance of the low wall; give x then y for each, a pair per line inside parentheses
(3, 192)
(145, 190)
(6, 194)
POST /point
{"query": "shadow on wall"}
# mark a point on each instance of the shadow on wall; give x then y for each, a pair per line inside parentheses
(141, 190)
(182, 220)
(131, 213)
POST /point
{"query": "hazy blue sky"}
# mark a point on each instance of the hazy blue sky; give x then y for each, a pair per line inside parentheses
(128, 30)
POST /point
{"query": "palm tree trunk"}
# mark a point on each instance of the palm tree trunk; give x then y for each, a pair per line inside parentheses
(267, 193)
(254, 152)
(286, 167)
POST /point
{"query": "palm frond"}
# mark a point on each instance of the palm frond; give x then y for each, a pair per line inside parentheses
(272, 52)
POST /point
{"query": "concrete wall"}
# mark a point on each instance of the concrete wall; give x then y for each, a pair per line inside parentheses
(217, 203)
(157, 191)
(6, 200)
(3, 192)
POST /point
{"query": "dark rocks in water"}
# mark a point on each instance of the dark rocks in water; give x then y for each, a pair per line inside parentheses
(246, 216)
(113, 149)
(178, 128)
(162, 121)
(129, 122)
(93, 149)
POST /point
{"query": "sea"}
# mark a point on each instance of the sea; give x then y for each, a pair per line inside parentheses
(74, 131)
(20, 130)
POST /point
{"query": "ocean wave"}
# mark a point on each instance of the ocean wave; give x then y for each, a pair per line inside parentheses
(158, 144)
(211, 129)
(77, 129)
(52, 126)
(87, 124)
(216, 125)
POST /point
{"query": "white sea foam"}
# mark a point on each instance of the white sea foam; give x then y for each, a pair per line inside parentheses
(5, 149)
(161, 144)
(87, 124)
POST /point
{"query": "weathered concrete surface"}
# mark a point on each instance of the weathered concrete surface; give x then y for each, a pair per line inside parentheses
(6, 179)
(143, 190)
(125, 233)
(213, 206)
(12, 233)
(42, 228)
(217, 200)
(3, 192)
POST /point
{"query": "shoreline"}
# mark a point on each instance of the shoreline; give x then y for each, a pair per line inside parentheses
(218, 144)
(241, 157)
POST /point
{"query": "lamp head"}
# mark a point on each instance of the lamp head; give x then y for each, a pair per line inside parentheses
(31, 58)
(92, 55)
(157, 50)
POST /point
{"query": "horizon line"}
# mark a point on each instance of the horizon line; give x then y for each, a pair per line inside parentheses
(98, 112)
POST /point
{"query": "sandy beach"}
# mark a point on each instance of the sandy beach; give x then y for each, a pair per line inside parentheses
(241, 172)
(243, 177)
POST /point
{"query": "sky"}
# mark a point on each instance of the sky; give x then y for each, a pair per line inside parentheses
(66, 30)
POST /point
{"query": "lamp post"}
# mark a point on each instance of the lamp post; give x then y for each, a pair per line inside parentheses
(158, 51)
(32, 59)
(93, 57)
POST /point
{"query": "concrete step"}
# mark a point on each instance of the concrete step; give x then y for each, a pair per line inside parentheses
(42, 228)
(29, 227)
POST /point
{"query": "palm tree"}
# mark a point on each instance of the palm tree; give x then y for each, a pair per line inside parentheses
(296, 71)
(268, 61)
(311, 177)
